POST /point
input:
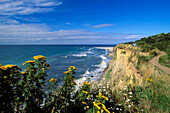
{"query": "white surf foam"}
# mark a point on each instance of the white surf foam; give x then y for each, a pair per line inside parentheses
(96, 73)
(80, 55)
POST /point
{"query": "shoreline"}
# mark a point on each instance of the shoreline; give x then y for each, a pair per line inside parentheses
(108, 48)
(98, 81)
(111, 55)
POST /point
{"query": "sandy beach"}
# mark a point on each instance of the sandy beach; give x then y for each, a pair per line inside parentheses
(108, 48)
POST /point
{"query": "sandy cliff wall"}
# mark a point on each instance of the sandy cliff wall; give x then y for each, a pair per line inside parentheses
(123, 72)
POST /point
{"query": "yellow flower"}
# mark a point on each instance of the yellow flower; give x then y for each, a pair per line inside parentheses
(8, 66)
(86, 83)
(30, 61)
(23, 73)
(49, 67)
(85, 92)
(84, 103)
(96, 104)
(98, 111)
(107, 110)
(88, 96)
(72, 67)
(52, 80)
(66, 72)
(43, 68)
(26, 70)
(87, 107)
(5, 77)
(8, 81)
(100, 94)
(39, 57)
(148, 79)
(102, 110)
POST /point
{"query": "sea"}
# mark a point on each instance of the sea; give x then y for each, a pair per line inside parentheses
(89, 60)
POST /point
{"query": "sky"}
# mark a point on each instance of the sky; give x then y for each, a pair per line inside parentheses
(25, 22)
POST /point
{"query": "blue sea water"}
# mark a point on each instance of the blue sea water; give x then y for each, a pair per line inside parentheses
(89, 60)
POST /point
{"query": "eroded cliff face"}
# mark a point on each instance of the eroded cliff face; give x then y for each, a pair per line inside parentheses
(123, 72)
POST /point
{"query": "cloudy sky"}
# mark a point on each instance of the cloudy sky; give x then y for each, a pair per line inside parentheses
(81, 21)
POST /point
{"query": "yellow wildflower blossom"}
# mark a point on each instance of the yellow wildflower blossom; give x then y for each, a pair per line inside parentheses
(52, 80)
(49, 67)
(67, 72)
(88, 96)
(84, 103)
(39, 57)
(8, 66)
(95, 104)
(98, 111)
(23, 73)
(107, 110)
(5, 77)
(72, 67)
(148, 79)
(100, 94)
(87, 107)
(43, 68)
(30, 61)
(26, 70)
(8, 81)
(86, 83)
(85, 92)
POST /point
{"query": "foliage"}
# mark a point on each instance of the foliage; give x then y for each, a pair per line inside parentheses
(123, 52)
(163, 60)
(108, 74)
(144, 58)
(168, 52)
(152, 92)
(23, 91)
(160, 41)
(26, 91)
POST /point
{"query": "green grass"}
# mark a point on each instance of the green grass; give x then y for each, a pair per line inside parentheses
(163, 60)
(156, 93)
(108, 74)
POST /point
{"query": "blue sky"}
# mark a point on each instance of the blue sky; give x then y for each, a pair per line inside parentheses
(81, 21)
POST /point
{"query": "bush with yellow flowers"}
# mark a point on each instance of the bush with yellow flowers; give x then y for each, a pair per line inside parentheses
(25, 91)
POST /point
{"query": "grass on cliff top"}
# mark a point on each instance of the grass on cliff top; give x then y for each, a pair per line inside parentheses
(163, 60)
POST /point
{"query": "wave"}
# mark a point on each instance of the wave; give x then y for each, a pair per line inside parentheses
(103, 57)
(80, 55)
(96, 74)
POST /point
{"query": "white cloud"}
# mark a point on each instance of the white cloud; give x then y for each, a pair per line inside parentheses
(68, 23)
(25, 7)
(5, 20)
(102, 25)
(31, 33)
(28, 19)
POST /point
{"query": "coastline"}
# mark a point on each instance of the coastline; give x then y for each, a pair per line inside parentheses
(111, 54)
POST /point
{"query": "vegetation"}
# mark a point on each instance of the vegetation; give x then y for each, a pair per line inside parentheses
(163, 60)
(26, 91)
(160, 41)
(108, 74)
(123, 52)
(152, 95)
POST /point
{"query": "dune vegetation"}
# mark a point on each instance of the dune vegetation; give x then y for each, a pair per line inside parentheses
(130, 84)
